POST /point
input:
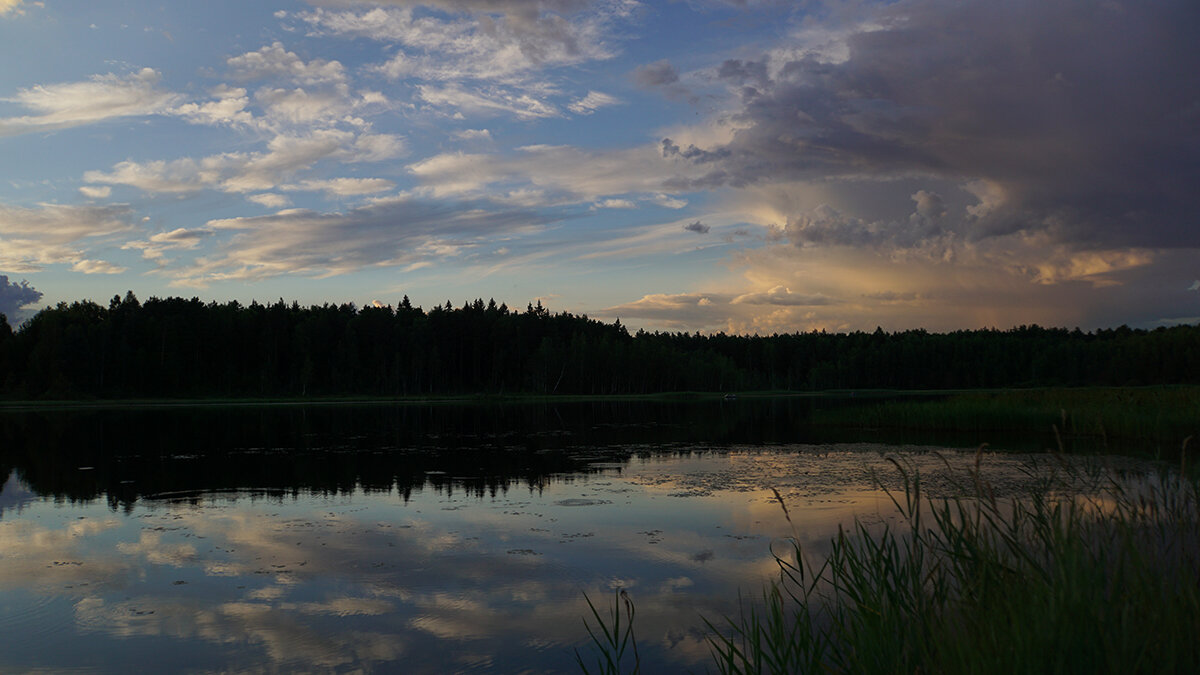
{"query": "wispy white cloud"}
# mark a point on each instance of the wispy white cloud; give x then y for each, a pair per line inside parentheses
(177, 239)
(501, 41)
(342, 187)
(31, 238)
(102, 97)
(780, 295)
(96, 267)
(14, 8)
(270, 200)
(488, 102)
(614, 204)
(677, 310)
(592, 102)
(228, 107)
(286, 156)
(669, 202)
(305, 107)
(473, 135)
(486, 58)
(276, 62)
(395, 232)
(563, 174)
(94, 192)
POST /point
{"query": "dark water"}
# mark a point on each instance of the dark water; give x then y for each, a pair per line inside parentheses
(411, 538)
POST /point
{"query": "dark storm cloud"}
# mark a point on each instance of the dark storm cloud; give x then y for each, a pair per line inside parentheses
(692, 153)
(14, 296)
(741, 72)
(697, 227)
(1075, 118)
(657, 74)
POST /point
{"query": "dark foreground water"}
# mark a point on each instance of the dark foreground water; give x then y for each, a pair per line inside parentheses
(416, 539)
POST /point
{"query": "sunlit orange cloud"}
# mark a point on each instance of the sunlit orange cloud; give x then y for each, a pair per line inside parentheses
(996, 284)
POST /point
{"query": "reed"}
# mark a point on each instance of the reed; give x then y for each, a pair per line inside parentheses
(611, 641)
(1087, 571)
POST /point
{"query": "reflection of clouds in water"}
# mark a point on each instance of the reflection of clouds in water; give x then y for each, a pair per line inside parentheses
(151, 547)
(286, 640)
(342, 607)
(46, 559)
(288, 585)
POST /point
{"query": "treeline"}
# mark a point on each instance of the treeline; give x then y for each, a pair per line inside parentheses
(175, 347)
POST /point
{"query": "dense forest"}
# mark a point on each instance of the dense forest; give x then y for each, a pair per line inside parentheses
(175, 347)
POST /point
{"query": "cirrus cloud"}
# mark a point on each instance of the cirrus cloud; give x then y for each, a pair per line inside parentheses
(397, 232)
(31, 238)
(102, 97)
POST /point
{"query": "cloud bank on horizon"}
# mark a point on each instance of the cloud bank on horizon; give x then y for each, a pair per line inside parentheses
(703, 165)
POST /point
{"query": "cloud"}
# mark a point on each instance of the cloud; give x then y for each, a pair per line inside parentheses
(697, 227)
(593, 101)
(677, 311)
(488, 40)
(275, 62)
(92, 192)
(328, 104)
(669, 202)
(782, 296)
(744, 73)
(997, 283)
(13, 7)
(86, 266)
(343, 187)
(102, 97)
(396, 232)
(473, 135)
(1087, 134)
(14, 296)
(270, 200)
(562, 174)
(177, 239)
(488, 102)
(371, 147)
(614, 204)
(1000, 282)
(657, 74)
(228, 108)
(304, 107)
(286, 155)
(31, 238)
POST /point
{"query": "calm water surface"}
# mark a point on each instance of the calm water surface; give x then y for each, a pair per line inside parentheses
(412, 539)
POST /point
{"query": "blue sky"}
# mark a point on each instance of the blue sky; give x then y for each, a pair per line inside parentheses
(688, 165)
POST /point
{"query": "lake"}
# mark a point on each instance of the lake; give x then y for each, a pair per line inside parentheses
(425, 538)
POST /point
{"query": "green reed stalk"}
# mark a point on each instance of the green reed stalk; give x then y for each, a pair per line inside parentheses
(609, 640)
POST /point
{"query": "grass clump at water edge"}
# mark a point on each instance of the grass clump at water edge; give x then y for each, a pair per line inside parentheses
(1163, 414)
(1086, 572)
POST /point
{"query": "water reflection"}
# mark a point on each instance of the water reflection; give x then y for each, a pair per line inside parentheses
(377, 541)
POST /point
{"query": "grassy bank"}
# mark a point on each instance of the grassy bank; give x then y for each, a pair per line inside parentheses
(1167, 414)
(1087, 573)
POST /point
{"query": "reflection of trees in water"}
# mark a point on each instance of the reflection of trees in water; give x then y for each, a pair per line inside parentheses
(483, 449)
(280, 450)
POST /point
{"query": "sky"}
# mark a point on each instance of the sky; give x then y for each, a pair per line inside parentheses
(749, 166)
